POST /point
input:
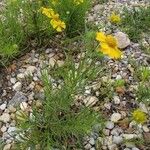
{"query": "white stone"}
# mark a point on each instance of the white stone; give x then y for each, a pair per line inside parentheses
(23, 106)
(129, 136)
(7, 147)
(3, 106)
(97, 8)
(145, 128)
(135, 148)
(13, 80)
(12, 109)
(116, 100)
(118, 77)
(30, 70)
(90, 100)
(87, 146)
(60, 63)
(112, 147)
(11, 130)
(17, 86)
(92, 141)
(117, 139)
(123, 40)
(115, 117)
(116, 131)
(107, 105)
(3, 129)
(20, 76)
(5, 117)
(109, 125)
(52, 62)
(143, 107)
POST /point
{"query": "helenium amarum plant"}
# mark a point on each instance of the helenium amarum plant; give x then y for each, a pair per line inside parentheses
(59, 123)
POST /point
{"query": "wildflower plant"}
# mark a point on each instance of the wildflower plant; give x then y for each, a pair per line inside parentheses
(108, 45)
(59, 123)
(114, 18)
(72, 13)
(139, 116)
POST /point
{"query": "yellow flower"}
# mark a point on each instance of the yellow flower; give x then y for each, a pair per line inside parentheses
(47, 12)
(114, 18)
(58, 25)
(139, 116)
(109, 45)
(78, 2)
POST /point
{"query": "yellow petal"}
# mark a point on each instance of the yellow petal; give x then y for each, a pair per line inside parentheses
(100, 36)
(59, 29)
(113, 53)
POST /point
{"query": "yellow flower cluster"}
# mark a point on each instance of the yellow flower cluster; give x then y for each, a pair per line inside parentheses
(55, 20)
(114, 18)
(109, 45)
(78, 2)
(139, 116)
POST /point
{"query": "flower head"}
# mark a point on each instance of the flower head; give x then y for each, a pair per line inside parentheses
(47, 12)
(109, 45)
(58, 25)
(139, 116)
(114, 18)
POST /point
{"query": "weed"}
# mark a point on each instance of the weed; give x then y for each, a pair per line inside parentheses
(143, 94)
(144, 74)
(135, 22)
(60, 123)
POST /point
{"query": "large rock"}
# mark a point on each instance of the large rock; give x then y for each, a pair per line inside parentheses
(18, 98)
(123, 40)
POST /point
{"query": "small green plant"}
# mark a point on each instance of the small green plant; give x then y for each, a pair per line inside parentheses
(60, 123)
(143, 94)
(136, 22)
(119, 83)
(144, 74)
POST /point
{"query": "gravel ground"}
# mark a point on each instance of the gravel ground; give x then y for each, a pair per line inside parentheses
(16, 89)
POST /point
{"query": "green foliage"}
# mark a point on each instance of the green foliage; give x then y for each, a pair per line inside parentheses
(144, 74)
(119, 83)
(136, 22)
(73, 15)
(143, 93)
(20, 21)
(60, 123)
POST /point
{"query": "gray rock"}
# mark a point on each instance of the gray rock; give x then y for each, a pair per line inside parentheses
(135, 148)
(117, 139)
(11, 130)
(17, 99)
(13, 80)
(110, 125)
(116, 131)
(92, 141)
(123, 40)
(17, 86)
(3, 106)
(115, 117)
(90, 100)
(112, 147)
(5, 117)
(87, 146)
